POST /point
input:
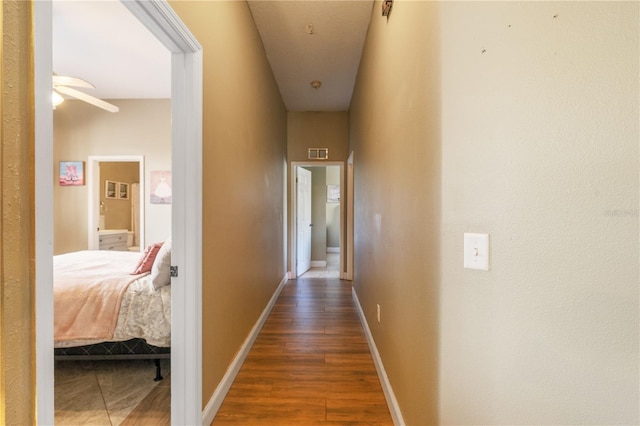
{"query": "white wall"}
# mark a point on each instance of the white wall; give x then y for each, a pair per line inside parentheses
(540, 150)
(142, 127)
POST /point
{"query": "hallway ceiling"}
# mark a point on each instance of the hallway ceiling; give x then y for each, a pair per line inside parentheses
(330, 54)
(92, 40)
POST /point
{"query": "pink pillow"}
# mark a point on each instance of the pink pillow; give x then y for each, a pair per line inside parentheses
(146, 260)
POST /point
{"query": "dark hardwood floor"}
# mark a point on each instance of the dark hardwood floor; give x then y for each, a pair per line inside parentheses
(310, 365)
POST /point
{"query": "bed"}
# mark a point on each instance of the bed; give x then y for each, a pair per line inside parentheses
(113, 305)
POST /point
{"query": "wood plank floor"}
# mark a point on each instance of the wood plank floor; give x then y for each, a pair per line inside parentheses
(310, 364)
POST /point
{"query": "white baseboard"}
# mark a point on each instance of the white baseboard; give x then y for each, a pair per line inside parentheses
(318, 263)
(212, 407)
(392, 402)
(333, 249)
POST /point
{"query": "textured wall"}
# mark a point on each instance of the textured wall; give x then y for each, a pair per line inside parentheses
(395, 135)
(333, 210)
(540, 150)
(318, 213)
(517, 119)
(142, 127)
(244, 151)
(17, 274)
(315, 130)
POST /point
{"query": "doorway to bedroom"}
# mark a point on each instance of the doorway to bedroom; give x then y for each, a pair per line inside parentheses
(120, 214)
(183, 142)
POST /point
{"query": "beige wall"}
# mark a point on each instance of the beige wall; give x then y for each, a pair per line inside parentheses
(333, 210)
(315, 130)
(244, 151)
(318, 213)
(540, 150)
(519, 120)
(17, 272)
(142, 127)
(117, 214)
(395, 136)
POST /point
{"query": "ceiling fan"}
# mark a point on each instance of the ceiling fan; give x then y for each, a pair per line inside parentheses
(64, 84)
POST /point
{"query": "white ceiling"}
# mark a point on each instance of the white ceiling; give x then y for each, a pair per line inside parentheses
(101, 42)
(104, 44)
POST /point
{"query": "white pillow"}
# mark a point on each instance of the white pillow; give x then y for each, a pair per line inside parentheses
(160, 272)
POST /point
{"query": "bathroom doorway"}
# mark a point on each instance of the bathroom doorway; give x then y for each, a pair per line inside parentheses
(325, 226)
(115, 204)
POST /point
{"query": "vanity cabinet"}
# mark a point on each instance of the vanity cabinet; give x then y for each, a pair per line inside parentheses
(113, 239)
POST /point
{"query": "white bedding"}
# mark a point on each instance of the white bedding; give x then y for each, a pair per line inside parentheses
(144, 313)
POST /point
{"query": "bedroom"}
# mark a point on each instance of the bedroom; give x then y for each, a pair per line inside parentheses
(140, 129)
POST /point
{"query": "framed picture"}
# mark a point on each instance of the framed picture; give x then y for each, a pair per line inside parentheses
(333, 193)
(160, 187)
(123, 191)
(71, 173)
(110, 189)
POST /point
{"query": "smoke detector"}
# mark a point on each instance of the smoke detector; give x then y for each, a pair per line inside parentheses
(316, 84)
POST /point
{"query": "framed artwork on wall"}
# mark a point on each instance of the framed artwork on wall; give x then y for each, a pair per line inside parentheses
(71, 173)
(123, 191)
(333, 193)
(110, 189)
(160, 187)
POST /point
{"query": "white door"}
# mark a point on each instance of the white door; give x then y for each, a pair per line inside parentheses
(303, 224)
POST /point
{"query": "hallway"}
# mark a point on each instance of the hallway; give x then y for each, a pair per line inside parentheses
(310, 364)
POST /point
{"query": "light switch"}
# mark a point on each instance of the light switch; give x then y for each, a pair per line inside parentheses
(476, 251)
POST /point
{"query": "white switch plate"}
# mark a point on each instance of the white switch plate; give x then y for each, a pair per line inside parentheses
(476, 251)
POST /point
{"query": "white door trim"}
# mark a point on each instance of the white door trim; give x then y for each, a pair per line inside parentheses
(186, 136)
(186, 212)
(350, 222)
(294, 216)
(93, 194)
(43, 70)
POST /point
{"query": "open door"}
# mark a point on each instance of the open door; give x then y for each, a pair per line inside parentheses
(303, 211)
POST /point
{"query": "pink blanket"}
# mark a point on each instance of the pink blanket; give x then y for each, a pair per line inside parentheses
(88, 287)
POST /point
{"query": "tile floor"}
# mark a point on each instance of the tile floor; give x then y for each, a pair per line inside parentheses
(102, 392)
(331, 271)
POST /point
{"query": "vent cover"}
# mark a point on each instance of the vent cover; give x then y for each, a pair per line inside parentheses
(318, 153)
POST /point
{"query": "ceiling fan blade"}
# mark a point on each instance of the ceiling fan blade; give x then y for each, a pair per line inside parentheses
(63, 80)
(87, 98)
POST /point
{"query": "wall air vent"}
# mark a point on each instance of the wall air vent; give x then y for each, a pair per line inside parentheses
(318, 153)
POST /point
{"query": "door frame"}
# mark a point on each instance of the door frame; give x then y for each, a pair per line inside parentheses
(93, 194)
(186, 148)
(350, 223)
(294, 213)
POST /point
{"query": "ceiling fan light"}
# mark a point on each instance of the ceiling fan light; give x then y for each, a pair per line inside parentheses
(56, 99)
